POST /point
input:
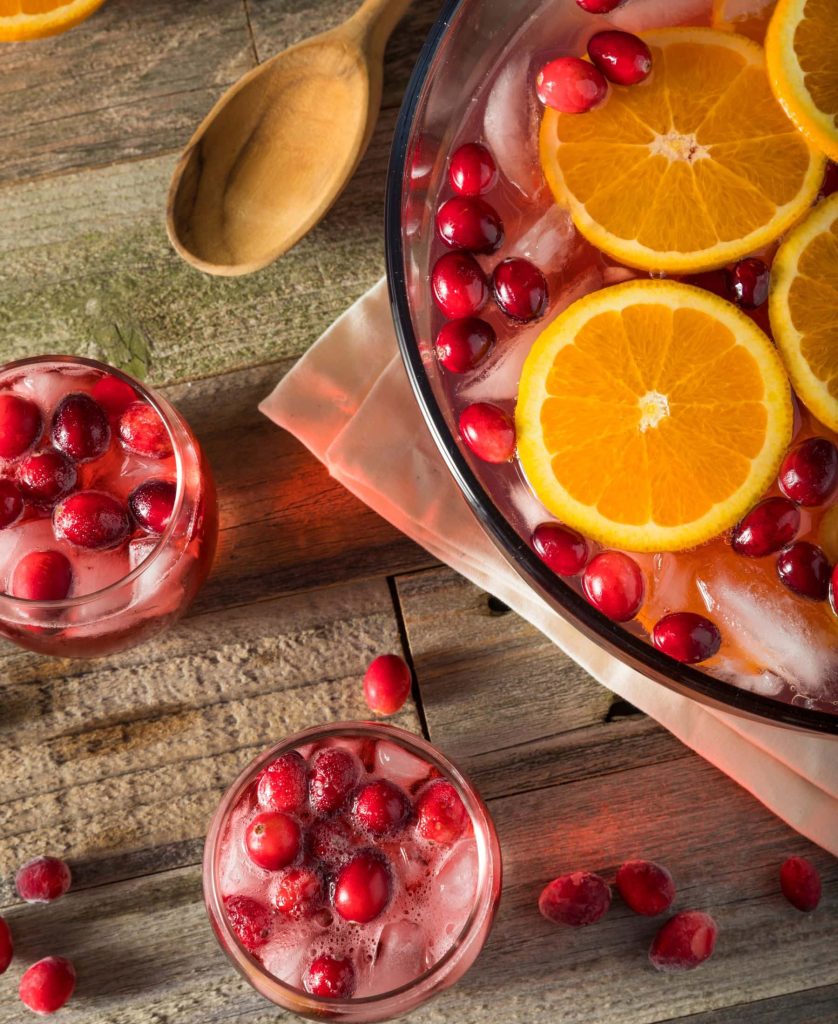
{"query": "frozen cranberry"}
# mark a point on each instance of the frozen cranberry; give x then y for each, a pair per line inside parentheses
(472, 170)
(809, 472)
(47, 476)
(563, 550)
(684, 942)
(11, 504)
(249, 919)
(441, 815)
(142, 432)
(576, 899)
(801, 883)
(42, 576)
(459, 285)
(613, 583)
(20, 425)
(7, 946)
(468, 222)
(830, 180)
(621, 57)
(331, 841)
(330, 978)
(152, 504)
(463, 344)
(387, 684)
(334, 774)
(381, 807)
(803, 568)
(748, 283)
(298, 893)
(769, 526)
(48, 984)
(273, 840)
(362, 888)
(520, 289)
(488, 431)
(80, 428)
(686, 637)
(114, 395)
(570, 85)
(646, 887)
(91, 519)
(283, 785)
(599, 6)
(43, 880)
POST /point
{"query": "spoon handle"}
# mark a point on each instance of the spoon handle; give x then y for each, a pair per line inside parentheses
(375, 20)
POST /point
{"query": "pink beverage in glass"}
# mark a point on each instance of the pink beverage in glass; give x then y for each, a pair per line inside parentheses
(108, 518)
(352, 872)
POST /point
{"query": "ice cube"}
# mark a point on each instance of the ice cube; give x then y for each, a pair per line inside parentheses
(549, 241)
(18, 540)
(95, 570)
(48, 387)
(455, 884)
(510, 127)
(157, 590)
(410, 865)
(399, 956)
(640, 15)
(399, 765)
(285, 958)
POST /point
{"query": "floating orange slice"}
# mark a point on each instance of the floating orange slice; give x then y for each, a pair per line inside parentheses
(689, 170)
(651, 415)
(747, 17)
(31, 19)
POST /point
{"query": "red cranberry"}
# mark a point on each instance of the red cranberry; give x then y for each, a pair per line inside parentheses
(11, 504)
(620, 56)
(43, 880)
(563, 550)
(152, 504)
(7, 946)
(381, 807)
(809, 472)
(833, 590)
(520, 289)
(387, 684)
(299, 893)
(646, 887)
(362, 888)
(331, 841)
(42, 576)
(283, 785)
(599, 6)
(114, 395)
(273, 840)
(91, 519)
(686, 637)
(803, 568)
(576, 899)
(830, 180)
(142, 432)
(20, 425)
(684, 942)
(801, 883)
(330, 978)
(472, 170)
(769, 526)
(48, 984)
(463, 344)
(459, 285)
(441, 815)
(80, 428)
(250, 920)
(334, 774)
(488, 431)
(613, 583)
(748, 283)
(47, 476)
(570, 85)
(468, 222)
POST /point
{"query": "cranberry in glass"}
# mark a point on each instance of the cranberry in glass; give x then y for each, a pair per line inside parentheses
(809, 472)
(748, 283)
(468, 222)
(769, 526)
(599, 6)
(520, 289)
(143, 432)
(459, 285)
(562, 549)
(250, 920)
(686, 637)
(570, 85)
(273, 840)
(804, 568)
(362, 888)
(461, 345)
(20, 425)
(298, 893)
(11, 504)
(152, 504)
(114, 395)
(613, 584)
(334, 774)
(330, 977)
(441, 815)
(472, 170)
(622, 57)
(47, 476)
(91, 519)
(283, 785)
(488, 431)
(833, 590)
(381, 807)
(80, 428)
(42, 576)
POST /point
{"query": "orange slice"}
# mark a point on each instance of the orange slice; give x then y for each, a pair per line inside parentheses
(802, 305)
(31, 19)
(747, 17)
(801, 50)
(651, 415)
(689, 170)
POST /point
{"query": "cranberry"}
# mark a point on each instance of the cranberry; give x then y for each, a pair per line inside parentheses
(46, 476)
(686, 637)
(387, 684)
(468, 222)
(684, 942)
(488, 431)
(463, 344)
(42, 576)
(621, 57)
(441, 815)
(11, 504)
(152, 504)
(334, 774)
(20, 425)
(599, 6)
(613, 583)
(362, 888)
(48, 984)
(142, 432)
(299, 893)
(250, 920)
(7, 946)
(769, 526)
(563, 550)
(330, 977)
(801, 883)
(833, 590)
(570, 85)
(576, 899)
(273, 840)
(283, 785)
(381, 807)
(43, 880)
(520, 289)
(91, 519)
(80, 428)
(646, 887)
(459, 285)
(331, 841)
(809, 472)
(803, 568)
(472, 170)
(830, 180)
(114, 395)
(747, 283)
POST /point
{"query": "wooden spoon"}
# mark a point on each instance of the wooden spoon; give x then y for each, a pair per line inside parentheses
(278, 148)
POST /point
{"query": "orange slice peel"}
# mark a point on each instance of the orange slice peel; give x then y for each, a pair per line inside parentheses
(21, 20)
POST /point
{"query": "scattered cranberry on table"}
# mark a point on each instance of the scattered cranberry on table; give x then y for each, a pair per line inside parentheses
(577, 899)
(570, 85)
(748, 282)
(769, 526)
(613, 583)
(459, 286)
(622, 57)
(520, 289)
(387, 683)
(646, 887)
(809, 472)
(684, 942)
(469, 222)
(330, 977)
(472, 170)
(687, 637)
(48, 984)
(461, 345)
(562, 549)
(801, 883)
(42, 880)
(7, 946)
(804, 568)
(488, 431)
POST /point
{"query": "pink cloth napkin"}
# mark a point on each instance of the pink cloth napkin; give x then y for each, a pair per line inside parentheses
(349, 401)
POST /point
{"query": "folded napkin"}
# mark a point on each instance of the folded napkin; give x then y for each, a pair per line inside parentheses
(350, 402)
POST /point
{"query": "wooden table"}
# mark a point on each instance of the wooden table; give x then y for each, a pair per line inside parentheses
(117, 764)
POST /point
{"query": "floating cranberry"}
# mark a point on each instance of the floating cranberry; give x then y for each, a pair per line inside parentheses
(42, 576)
(7, 946)
(769, 526)
(684, 942)
(91, 519)
(599, 6)
(646, 887)
(613, 584)
(748, 283)
(387, 684)
(48, 984)
(459, 285)
(143, 432)
(80, 428)
(801, 883)
(47, 476)
(441, 815)
(570, 85)
(249, 919)
(520, 289)
(43, 880)
(488, 431)
(330, 977)
(463, 344)
(809, 472)
(298, 893)
(577, 899)
(331, 841)
(273, 840)
(362, 888)
(830, 180)
(11, 504)
(334, 774)
(283, 785)
(381, 807)
(114, 395)
(803, 568)
(563, 550)
(686, 637)
(20, 425)
(622, 57)
(468, 222)
(833, 590)
(152, 504)
(472, 170)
